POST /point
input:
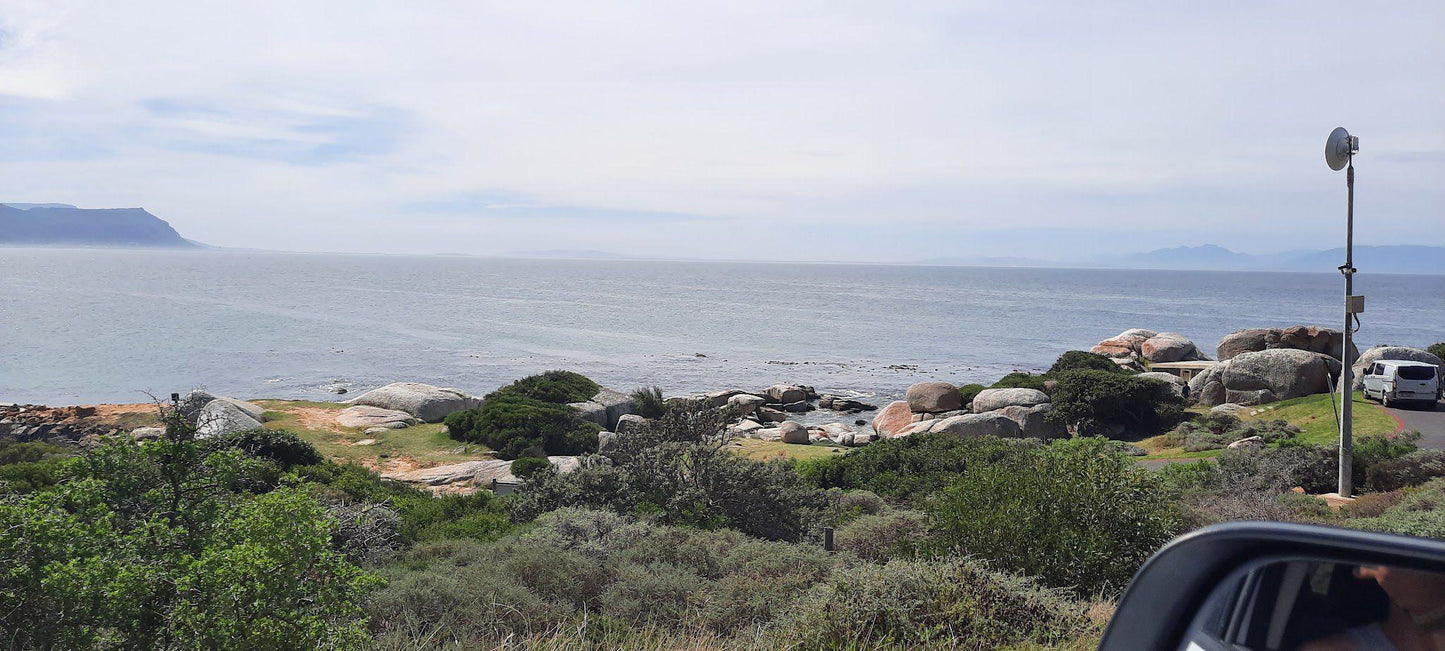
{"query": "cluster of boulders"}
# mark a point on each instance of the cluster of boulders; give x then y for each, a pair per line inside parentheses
(56, 425)
(1310, 338)
(1134, 347)
(468, 476)
(1259, 377)
(765, 414)
(429, 404)
(938, 407)
(215, 415)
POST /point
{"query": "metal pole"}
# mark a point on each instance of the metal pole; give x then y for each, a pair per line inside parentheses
(1347, 394)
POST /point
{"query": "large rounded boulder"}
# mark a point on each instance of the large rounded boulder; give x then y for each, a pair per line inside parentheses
(1168, 347)
(933, 397)
(428, 403)
(1310, 338)
(990, 424)
(792, 432)
(994, 399)
(1124, 344)
(222, 417)
(1277, 374)
(893, 418)
(1207, 386)
(1402, 353)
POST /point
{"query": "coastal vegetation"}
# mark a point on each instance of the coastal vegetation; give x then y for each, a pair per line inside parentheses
(677, 530)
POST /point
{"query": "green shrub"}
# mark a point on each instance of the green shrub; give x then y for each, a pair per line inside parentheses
(479, 516)
(649, 403)
(1019, 380)
(560, 387)
(285, 448)
(1079, 360)
(530, 417)
(524, 467)
(1411, 469)
(911, 468)
(1096, 401)
(1072, 514)
(1215, 433)
(1420, 513)
(512, 424)
(969, 392)
(880, 538)
(12, 452)
(925, 604)
(1437, 350)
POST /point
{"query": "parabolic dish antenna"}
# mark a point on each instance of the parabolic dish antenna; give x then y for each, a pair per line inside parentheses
(1338, 148)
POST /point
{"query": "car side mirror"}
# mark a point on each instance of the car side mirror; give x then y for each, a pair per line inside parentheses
(1277, 586)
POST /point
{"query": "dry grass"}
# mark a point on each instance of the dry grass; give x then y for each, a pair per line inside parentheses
(399, 450)
(760, 450)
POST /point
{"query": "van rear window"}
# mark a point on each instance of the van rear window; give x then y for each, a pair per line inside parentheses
(1416, 372)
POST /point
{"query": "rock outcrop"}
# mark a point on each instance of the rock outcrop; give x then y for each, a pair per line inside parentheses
(933, 397)
(1034, 421)
(428, 403)
(222, 417)
(993, 399)
(1259, 377)
(892, 418)
(990, 424)
(791, 432)
(366, 416)
(605, 408)
(1131, 346)
(1310, 338)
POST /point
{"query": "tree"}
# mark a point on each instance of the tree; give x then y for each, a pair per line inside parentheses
(160, 545)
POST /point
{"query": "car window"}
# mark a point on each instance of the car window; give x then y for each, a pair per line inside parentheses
(1415, 372)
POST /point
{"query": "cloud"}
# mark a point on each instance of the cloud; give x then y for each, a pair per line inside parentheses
(744, 129)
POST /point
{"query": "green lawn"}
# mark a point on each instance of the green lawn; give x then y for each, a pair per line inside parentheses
(1316, 417)
(761, 450)
(426, 444)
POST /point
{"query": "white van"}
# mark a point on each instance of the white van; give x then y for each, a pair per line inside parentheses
(1393, 380)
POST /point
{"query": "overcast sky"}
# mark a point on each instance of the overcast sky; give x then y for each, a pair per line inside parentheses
(881, 131)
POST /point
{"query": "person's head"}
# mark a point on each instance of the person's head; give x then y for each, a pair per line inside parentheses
(1422, 594)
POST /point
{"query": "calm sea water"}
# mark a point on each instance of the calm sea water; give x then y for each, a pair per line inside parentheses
(80, 326)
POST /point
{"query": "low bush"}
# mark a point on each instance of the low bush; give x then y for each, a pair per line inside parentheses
(1096, 401)
(923, 604)
(1437, 349)
(559, 387)
(516, 425)
(882, 537)
(615, 571)
(1019, 380)
(1079, 360)
(676, 469)
(648, 402)
(1411, 469)
(1215, 433)
(1072, 514)
(525, 467)
(913, 468)
(1419, 513)
(285, 448)
(30, 466)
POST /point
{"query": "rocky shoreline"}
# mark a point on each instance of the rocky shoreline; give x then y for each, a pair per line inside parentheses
(1253, 367)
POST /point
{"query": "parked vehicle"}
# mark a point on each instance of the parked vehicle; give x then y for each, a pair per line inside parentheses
(1390, 380)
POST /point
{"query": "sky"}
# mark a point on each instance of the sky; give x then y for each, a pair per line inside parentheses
(772, 130)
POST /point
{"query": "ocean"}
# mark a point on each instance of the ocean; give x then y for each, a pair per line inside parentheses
(89, 326)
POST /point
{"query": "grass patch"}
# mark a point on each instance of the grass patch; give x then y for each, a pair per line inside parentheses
(425, 443)
(1316, 417)
(760, 450)
(133, 420)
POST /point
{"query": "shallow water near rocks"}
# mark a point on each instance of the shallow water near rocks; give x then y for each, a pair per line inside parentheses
(86, 326)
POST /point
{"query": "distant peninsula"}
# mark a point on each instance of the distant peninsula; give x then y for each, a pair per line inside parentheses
(59, 224)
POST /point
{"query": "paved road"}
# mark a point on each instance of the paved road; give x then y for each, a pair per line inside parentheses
(1428, 420)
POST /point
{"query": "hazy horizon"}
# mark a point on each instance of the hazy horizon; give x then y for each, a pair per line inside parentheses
(766, 131)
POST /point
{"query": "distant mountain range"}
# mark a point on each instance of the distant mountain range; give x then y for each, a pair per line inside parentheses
(1395, 258)
(59, 224)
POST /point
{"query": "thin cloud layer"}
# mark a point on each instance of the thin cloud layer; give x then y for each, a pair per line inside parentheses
(789, 131)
